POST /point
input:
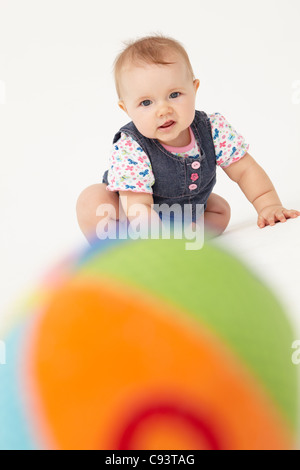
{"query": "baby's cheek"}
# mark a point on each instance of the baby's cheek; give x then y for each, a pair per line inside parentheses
(148, 131)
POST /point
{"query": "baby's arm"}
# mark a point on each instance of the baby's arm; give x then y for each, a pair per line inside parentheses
(259, 190)
(142, 210)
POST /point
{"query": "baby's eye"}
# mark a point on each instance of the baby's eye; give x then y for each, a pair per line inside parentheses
(175, 94)
(146, 103)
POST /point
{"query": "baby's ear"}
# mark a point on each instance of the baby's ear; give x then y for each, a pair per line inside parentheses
(121, 105)
(196, 84)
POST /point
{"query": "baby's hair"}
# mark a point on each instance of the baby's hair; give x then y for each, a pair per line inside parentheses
(150, 50)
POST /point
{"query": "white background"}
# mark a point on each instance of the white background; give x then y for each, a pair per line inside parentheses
(58, 107)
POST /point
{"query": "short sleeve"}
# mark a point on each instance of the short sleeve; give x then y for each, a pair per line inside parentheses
(130, 168)
(230, 146)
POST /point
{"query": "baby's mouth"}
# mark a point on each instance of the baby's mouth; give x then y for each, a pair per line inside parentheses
(167, 124)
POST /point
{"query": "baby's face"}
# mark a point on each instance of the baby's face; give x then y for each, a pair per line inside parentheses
(160, 100)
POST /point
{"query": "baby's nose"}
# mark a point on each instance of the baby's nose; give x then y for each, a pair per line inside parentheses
(164, 109)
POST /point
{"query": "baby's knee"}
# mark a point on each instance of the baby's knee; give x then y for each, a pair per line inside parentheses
(223, 208)
(222, 214)
(84, 201)
(226, 209)
(95, 197)
(226, 213)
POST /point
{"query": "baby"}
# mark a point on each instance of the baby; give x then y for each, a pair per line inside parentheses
(168, 153)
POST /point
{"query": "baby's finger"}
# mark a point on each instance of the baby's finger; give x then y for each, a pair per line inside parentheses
(271, 219)
(280, 216)
(261, 221)
(290, 213)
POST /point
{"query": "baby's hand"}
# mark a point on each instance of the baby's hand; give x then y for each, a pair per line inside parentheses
(272, 214)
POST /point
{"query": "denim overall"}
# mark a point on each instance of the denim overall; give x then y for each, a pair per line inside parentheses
(179, 180)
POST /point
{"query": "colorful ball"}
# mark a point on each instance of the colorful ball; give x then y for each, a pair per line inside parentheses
(146, 345)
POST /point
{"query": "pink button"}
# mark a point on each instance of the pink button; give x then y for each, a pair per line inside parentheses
(194, 176)
(195, 165)
(192, 186)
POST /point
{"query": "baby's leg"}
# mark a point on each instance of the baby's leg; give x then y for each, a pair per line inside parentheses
(217, 215)
(87, 204)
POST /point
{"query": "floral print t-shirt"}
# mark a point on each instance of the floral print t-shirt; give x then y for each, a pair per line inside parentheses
(130, 168)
